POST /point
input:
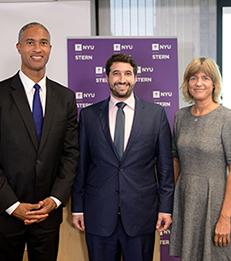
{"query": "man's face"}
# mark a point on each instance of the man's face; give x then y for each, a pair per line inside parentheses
(34, 48)
(121, 80)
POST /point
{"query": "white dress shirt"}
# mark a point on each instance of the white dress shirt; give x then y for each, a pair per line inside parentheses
(129, 110)
(29, 90)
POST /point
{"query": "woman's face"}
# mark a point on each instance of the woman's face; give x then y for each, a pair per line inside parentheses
(201, 87)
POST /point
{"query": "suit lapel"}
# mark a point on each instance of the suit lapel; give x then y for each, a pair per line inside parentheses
(49, 112)
(104, 120)
(20, 99)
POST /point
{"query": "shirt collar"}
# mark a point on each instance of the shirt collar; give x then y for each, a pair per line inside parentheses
(130, 101)
(28, 83)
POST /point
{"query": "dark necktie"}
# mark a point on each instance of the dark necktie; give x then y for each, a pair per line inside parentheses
(37, 112)
(119, 129)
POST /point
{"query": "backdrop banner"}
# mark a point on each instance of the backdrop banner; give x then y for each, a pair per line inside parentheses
(157, 78)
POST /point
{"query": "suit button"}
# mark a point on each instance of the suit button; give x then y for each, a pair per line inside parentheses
(38, 162)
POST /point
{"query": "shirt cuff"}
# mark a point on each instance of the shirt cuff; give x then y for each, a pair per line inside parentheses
(77, 213)
(165, 213)
(57, 201)
(12, 208)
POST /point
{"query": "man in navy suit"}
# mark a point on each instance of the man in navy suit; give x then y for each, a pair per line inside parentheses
(37, 162)
(119, 198)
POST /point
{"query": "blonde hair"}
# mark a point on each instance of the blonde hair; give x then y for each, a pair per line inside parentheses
(207, 66)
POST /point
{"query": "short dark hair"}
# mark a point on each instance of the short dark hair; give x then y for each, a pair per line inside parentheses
(25, 27)
(123, 58)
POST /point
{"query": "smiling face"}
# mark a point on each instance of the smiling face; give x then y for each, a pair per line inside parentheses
(34, 48)
(202, 79)
(201, 87)
(121, 80)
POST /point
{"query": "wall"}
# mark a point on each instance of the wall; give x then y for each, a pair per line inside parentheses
(62, 18)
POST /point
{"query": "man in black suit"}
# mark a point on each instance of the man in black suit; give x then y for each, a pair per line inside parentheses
(124, 186)
(37, 163)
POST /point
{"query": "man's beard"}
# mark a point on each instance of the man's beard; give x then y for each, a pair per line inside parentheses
(122, 95)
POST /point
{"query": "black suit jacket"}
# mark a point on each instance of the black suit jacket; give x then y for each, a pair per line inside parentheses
(29, 171)
(140, 184)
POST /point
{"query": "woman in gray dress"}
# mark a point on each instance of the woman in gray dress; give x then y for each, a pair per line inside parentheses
(202, 165)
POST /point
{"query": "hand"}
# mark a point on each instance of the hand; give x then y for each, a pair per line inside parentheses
(163, 222)
(78, 222)
(21, 212)
(222, 231)
(39, 215)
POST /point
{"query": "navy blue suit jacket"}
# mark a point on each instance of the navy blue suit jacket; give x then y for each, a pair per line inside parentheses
(140, 184)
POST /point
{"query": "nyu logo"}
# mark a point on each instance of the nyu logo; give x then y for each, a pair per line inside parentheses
(158, 94)
(145, 69)
(157, 47)
(82, 95)
(81, 47)
(99, 70)
(120, 47)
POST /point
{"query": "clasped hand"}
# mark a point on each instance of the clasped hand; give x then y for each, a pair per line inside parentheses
(34, 213)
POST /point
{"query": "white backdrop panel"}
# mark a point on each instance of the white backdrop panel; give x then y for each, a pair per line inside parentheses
(63, 20)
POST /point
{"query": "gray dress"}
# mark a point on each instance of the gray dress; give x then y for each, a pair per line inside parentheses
(203, 146)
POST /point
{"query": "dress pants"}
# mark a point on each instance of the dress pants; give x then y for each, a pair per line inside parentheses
(138, 248)
(42, 243)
